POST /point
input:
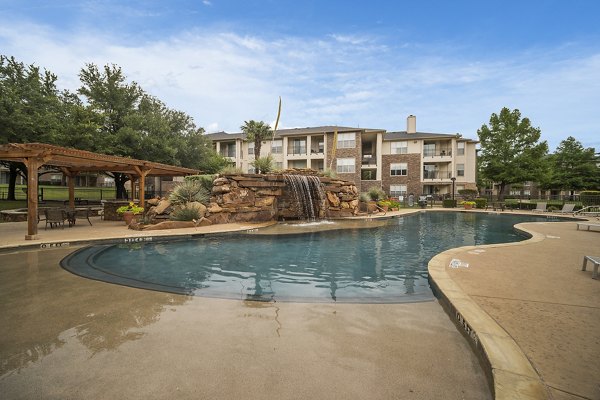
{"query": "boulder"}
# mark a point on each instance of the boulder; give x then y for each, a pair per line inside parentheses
(220, 181)
(219, 218)
(162, 206)
(221, 189)
(203, 222)
(214, 208)
(153, 202)
(264, 201)
(170, 225)
(333, 199)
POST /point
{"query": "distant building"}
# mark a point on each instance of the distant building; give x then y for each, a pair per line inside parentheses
(401, 163)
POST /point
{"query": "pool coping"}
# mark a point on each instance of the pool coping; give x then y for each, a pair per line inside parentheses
(511, 374)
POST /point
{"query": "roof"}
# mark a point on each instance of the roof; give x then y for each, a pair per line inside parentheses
(81, 160)
(294, 132)
(403, 135)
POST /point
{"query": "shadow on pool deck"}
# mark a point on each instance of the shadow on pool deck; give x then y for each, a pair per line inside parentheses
(533, 292)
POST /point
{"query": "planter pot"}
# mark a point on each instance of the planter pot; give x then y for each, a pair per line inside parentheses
(128, 217)
(385, 208)
(468, 206)
(371, 206)
(395, 209)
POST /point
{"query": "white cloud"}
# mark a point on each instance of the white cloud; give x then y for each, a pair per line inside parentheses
(223, 78)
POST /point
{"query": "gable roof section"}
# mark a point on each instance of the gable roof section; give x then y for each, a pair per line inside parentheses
(294, 132)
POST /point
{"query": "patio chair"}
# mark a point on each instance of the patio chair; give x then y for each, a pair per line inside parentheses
(85, 213)
(567, 208)
(55, 217)
(540, 207)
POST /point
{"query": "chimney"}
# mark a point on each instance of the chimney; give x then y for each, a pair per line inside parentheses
(411, 124)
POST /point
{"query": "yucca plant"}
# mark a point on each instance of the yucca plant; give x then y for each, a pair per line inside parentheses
(186, 213)
(263, 164)
(188, 191)
(230, 170)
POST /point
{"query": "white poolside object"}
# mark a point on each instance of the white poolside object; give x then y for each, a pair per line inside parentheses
(540, 207)
(595, 261)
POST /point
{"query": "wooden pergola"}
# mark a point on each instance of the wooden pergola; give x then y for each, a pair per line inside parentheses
(71, 162)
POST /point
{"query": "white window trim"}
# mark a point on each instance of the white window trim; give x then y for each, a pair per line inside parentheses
(399, 168)
(346, 140)
(346, 165)
(399, 147)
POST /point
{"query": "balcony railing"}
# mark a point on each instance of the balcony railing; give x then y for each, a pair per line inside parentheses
(297, 151)
(437, 175)
(437, 153)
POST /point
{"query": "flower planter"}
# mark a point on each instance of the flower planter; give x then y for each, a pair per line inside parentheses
(468, 206)
(128, 217)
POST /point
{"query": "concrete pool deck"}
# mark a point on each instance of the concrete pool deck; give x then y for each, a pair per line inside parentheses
(541, 340)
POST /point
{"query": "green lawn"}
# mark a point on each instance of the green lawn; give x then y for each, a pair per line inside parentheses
(10, 204)
(49, 192)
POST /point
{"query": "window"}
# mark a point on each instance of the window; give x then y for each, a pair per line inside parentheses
(460, 150)
(397, 191)
(278, 165)
(345, 165)
(515, 192)
(429, 171)
(399, 169)
(251, 170)
(399, 147)
(228, 149)
(429, 150)
(276, 147)
(298, 146)
(526, 192)
(346, 141)
(460, 169)
(251, 149)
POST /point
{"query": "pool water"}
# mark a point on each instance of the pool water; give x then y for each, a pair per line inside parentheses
(374, 262)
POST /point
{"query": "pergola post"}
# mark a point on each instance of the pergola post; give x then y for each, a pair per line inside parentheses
(70, 174)
(142, 175)
(33, 164)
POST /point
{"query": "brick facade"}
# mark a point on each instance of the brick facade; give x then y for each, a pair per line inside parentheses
(413, 178)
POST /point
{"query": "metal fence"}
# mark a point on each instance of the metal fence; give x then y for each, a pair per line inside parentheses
(62, 193)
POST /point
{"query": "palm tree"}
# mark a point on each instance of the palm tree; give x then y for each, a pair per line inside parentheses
(256, 131)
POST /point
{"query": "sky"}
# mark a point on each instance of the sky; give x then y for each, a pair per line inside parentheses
(349, 63)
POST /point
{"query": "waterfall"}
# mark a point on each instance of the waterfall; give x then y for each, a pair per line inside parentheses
(307, 193)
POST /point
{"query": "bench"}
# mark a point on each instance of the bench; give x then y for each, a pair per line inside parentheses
(587, 225)
(595, 261)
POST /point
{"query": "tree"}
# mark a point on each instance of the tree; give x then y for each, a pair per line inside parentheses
(256, 132)
(574, 167)
(510, 152)
(30, 109)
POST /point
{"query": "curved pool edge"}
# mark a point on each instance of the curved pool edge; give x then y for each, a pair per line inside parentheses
(511, 374)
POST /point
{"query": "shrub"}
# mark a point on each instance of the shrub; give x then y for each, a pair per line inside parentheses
(230, 170)
(329, 173)
(188, 191)
(186, 214)
(480, 202)
(364, 196)
(449, 203)
(376, 193)
(205, 180)
(263, 164)
(468, 193)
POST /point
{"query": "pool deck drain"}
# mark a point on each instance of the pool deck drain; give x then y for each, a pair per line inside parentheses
(526, 307)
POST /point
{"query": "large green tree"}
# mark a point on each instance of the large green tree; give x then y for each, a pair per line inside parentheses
(574, 167)
(256, 131)
(510, 150)
(30, 109)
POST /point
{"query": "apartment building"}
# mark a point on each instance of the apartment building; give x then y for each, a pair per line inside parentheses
(402, 163)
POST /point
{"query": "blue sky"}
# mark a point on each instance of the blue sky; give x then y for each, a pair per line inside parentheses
(351, 63)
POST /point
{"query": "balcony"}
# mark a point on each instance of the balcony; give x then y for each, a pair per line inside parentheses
(437, 176)
(369, 160)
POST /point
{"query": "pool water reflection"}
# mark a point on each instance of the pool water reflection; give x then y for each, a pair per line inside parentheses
(387, 263)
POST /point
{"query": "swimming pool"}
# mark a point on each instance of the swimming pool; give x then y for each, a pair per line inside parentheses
(374, 262)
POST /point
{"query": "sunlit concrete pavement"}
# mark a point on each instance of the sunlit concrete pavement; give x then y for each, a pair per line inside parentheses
(62, 336)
